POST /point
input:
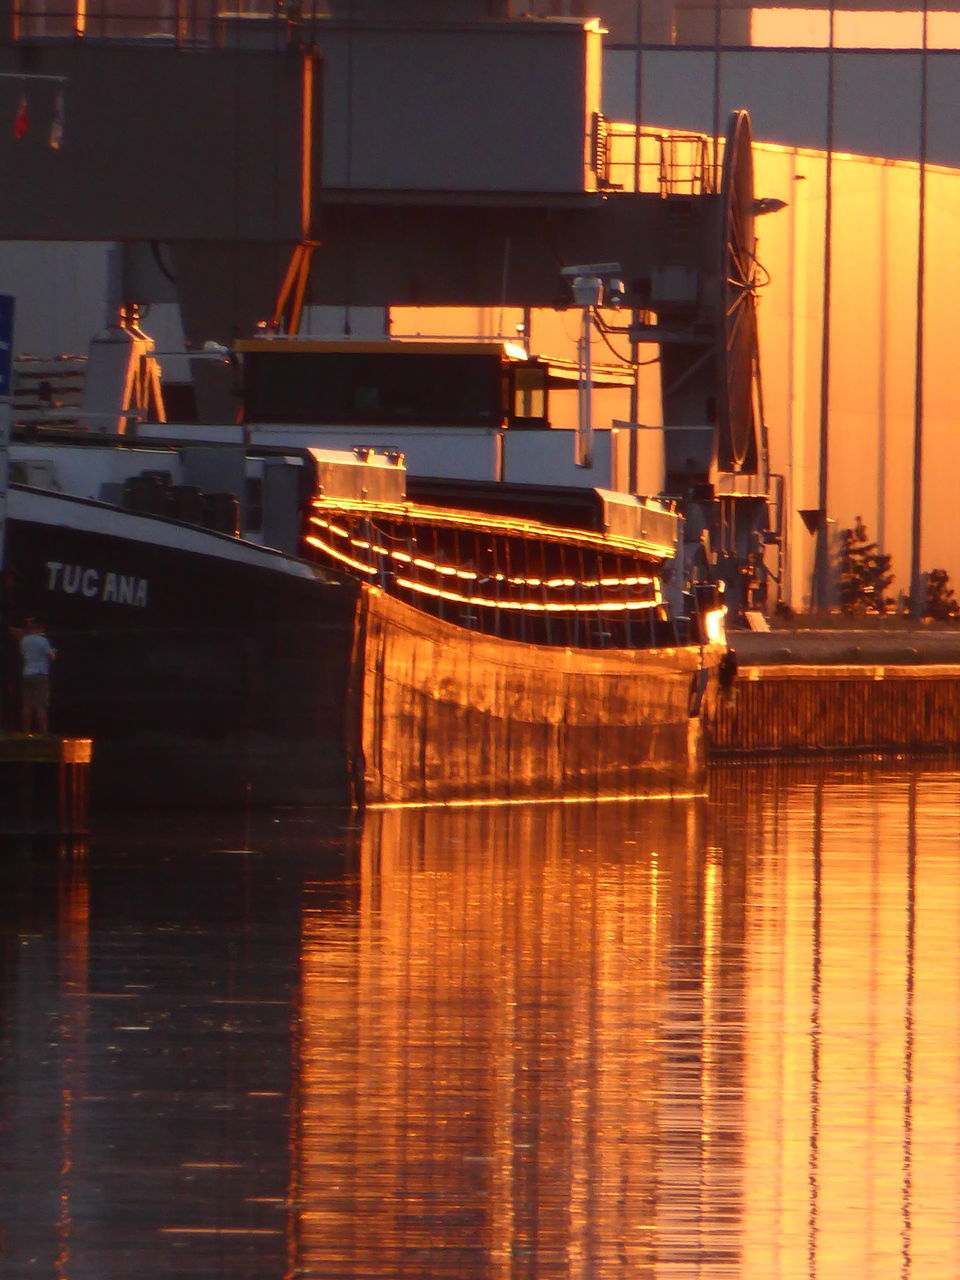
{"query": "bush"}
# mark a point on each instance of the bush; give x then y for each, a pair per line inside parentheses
(864, 573)
(940, 604)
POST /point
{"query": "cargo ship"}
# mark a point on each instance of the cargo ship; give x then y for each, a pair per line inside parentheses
(344, 597)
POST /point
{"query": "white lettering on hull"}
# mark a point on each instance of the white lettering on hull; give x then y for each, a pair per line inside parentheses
(95, 584)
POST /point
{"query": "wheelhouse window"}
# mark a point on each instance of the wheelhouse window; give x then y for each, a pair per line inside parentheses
(377, 388)
(529, 407)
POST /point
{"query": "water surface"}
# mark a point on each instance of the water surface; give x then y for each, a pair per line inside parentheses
(708, 1039)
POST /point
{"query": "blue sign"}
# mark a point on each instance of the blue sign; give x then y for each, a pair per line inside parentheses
(6, 342)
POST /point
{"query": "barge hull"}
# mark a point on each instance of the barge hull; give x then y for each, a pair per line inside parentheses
(453, 715)
(225, 675)
(220, 676)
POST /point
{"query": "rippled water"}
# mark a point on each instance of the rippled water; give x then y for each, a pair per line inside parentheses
(709, 1039)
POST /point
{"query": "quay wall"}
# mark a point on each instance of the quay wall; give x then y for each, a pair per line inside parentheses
(804, 693)
(798, 710)
(44, 784)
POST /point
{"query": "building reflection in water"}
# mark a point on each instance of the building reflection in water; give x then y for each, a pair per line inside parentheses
(851, 1090)
(712, 1039)
(716, 1040)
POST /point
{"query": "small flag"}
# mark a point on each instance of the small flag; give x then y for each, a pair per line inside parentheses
(56, 128)
(21, 122)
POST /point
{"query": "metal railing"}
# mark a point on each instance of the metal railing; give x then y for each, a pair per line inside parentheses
(657, 161)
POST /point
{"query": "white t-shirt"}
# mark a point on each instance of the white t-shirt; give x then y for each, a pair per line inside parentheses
(37, 653)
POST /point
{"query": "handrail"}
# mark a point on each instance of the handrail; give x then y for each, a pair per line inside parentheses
(658, 161)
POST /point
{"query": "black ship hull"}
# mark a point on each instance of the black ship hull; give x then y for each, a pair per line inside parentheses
(209, 671)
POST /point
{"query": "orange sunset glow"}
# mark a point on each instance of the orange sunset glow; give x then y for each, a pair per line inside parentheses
(810, 28)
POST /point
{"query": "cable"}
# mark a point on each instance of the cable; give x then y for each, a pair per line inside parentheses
(603, 329)
(158, 259)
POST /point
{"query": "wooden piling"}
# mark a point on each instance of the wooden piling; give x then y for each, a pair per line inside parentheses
(795, 710)
(44, 784)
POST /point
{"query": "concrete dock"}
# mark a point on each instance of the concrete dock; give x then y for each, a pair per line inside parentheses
(801, 693)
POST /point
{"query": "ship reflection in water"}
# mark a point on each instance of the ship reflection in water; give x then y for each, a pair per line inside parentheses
(712, 1039)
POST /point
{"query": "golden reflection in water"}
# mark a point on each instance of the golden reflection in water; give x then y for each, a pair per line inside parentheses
(705, 1039)
(851, 1004)
(503, 1056)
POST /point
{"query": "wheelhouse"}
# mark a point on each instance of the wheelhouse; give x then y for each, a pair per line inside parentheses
(395, 384)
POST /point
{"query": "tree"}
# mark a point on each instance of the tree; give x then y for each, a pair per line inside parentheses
(940, 603)
(864, 572)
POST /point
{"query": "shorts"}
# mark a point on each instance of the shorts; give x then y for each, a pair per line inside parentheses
(36, 692)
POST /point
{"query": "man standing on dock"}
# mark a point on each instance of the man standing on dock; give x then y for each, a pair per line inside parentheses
(37, 655)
